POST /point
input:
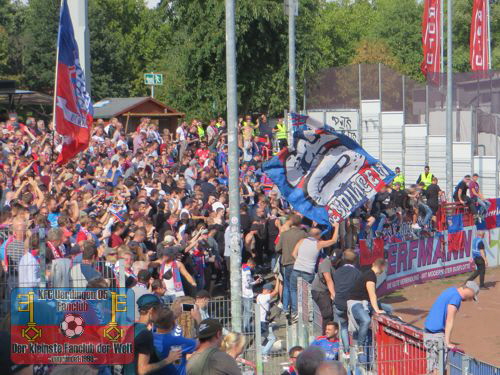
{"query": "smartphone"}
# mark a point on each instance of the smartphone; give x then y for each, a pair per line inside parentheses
(187, 307)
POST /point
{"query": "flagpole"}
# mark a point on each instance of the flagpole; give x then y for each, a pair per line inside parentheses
(55, 82)
(489, 33)
(441, 27)
(449, 101)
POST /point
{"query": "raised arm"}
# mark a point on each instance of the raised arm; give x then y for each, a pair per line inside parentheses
(333, 240)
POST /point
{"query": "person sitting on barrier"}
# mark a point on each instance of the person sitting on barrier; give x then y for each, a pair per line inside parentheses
(433, 193)
(293, 354)
(363, 302)
(329, 342)
(441, 317)
(460, 195)
(477, 196)
(420, 207)
(344, 279)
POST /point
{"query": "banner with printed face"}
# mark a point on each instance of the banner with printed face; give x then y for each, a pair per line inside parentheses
(431, 37)
(326, 175)
(479, 44)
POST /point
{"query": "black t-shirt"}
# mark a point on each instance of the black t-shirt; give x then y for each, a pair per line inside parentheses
(461, 186)
(359, 291)
(344, 278)
(143, 343)
(432, 194)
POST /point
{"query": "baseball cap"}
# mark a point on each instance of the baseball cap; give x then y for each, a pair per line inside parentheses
(170, 251)
(147, 301)
(268, 286)
(208, 328)
(169, 239)
(472, 285)
(203, 294)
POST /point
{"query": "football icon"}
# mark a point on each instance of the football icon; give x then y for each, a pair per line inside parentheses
(72, 326)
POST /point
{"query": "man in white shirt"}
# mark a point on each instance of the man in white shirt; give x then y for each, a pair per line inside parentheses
(29, 271)
(141, 288)
(247, 283)
(264, 302)
(181, 136)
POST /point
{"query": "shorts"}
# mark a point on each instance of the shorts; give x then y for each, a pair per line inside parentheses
(434, 344)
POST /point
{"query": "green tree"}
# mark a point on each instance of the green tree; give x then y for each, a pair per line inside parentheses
(195, 62)
(398, 24)
(40, 44)
(119, 30)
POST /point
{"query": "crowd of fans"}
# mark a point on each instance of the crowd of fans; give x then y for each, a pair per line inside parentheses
(158, 200)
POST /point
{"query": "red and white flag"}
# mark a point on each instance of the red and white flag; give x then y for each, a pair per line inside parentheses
(73, 106)
(431, 37)
(479, 43)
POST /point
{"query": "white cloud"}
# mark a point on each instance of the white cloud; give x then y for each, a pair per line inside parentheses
(152, 3)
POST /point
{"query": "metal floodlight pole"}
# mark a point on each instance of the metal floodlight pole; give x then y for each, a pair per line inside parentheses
(233, 153)
(449, 102)
(489, 33)
(292, 7)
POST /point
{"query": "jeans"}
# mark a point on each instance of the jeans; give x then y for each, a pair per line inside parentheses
(267, 331)
(381, 222)
(427, 212)
(247, 314)
(363, 318)
(287, 273)
(309, 277)
(341, 319)
(483, 205)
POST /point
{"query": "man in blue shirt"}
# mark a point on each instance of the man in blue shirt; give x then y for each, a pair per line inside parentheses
(329, 342)
(441, 317)
(165, 341)
(479, 256)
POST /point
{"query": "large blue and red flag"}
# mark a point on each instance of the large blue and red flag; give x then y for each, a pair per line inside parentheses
(325, 175)
(73, 107)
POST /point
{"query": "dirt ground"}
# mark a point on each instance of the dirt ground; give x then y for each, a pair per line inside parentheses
(477, 326)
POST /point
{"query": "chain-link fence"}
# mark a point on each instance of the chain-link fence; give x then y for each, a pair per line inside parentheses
(403, 122)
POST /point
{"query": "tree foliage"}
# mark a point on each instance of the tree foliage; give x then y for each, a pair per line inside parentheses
(185, 40)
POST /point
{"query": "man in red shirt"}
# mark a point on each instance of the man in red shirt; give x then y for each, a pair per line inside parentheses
(203, 152)
(477, 197)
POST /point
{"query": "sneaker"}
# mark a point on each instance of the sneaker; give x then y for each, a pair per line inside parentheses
(347, 357)
(280, 305)
(294, 318)
(484, 288)
(416, 226)
(265, 358)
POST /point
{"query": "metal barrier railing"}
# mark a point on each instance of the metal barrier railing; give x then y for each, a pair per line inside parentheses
(461, 364)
